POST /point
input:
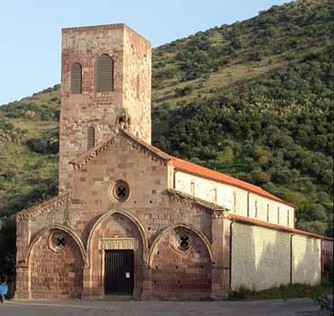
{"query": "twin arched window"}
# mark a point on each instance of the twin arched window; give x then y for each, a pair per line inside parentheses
(104, 75)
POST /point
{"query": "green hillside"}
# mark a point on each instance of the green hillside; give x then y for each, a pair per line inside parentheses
(253, 100)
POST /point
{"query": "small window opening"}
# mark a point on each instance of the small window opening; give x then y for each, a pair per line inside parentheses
(215, 195)
(138, 87)
(278, 215)
(192, 187)
(90, 138)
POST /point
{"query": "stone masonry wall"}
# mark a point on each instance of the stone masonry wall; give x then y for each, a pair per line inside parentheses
(55, 275)
(176, 272)
(102, 110)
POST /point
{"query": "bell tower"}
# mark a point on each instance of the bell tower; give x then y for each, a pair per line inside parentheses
(105, 84)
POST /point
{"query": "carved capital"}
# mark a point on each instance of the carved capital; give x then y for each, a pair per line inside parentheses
(220, 214)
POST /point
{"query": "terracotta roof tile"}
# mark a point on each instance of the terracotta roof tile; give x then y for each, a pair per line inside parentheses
(185, 166)
(197, 170)
(203, 172)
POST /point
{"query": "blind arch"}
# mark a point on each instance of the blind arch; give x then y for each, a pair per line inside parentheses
(104, 74)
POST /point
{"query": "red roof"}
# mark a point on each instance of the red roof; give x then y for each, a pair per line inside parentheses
(197, 170)
(206, 173)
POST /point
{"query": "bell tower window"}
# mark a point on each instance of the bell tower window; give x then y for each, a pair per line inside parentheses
(104, 74)
(90, 138)
(76, 78)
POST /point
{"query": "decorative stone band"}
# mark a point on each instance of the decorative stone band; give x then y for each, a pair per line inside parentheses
(44, 208)
(91, 154)
(117, 244)
(155, 153)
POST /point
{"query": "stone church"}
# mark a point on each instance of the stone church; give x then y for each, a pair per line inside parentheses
(134, 221)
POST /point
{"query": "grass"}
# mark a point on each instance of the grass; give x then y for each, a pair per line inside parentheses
(284, 292)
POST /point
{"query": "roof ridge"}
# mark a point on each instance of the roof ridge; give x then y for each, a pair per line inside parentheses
(91, 153)
(160, 153)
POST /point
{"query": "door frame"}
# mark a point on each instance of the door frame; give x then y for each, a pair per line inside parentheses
(123, 243)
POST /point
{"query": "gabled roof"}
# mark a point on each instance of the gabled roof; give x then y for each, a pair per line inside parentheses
(209, 174)
(177, 164)
(188, 167)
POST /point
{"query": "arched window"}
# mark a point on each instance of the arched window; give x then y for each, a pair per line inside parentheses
(76, 79)
(90, 138)
(104, 74)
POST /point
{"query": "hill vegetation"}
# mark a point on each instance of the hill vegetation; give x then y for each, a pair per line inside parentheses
(253, 100)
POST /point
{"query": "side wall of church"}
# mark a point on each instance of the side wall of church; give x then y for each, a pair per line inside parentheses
(239, 201)
(260, 257)
(263, 258)
(306, 260)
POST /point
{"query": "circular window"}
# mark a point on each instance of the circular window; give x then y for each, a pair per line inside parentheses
(183, 241)
(120, 191)
(58, 242)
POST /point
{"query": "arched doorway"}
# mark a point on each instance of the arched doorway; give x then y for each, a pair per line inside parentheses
(116, 245)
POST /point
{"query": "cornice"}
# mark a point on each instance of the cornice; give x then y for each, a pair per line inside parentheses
(91, 154)
(43, 208)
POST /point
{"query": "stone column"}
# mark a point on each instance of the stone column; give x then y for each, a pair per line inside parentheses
(147, 283)
(220, 273)
(86, 283)
(23, 232)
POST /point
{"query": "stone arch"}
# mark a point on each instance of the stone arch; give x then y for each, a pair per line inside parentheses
(56, 272)
(67, 230)
(172, 227)
(130, 217)
(115, 231)
(179, 270)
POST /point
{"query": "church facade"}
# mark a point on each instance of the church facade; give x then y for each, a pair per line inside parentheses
(133, 220)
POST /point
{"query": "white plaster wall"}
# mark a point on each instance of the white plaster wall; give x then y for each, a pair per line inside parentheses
(234, 199)
(259, 258)
(306, 260)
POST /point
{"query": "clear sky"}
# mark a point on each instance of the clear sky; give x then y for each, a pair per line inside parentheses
(30, 30)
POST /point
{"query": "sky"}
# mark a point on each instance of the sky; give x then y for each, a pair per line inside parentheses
(30, 31)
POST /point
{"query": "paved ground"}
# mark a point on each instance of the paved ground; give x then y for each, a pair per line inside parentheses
(295, 307)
